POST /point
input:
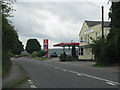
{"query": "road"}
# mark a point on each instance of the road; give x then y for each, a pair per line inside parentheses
(54, 74)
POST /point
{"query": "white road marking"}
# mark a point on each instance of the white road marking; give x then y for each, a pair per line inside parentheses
(110, 83)
(29, 80)
(33, 86)
(79, 74)
(101, 79)
(62, 69)
(72, 71)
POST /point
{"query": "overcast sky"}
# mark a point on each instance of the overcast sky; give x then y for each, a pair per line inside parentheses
(56, 21)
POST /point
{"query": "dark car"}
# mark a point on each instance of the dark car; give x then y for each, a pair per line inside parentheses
(54, 54)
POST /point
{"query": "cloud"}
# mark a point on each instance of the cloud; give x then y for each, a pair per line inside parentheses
(59, 22)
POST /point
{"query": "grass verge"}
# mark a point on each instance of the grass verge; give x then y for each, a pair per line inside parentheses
(16, 83)
(99, 65)
(20, 81)
(43, 58)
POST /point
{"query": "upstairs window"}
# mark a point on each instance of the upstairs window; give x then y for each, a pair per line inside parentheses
(96, 35)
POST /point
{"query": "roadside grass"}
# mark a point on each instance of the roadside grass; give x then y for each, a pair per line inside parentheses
(20, 81)
(17, 83)
(6, 66)
(99, 65)
(42, 59)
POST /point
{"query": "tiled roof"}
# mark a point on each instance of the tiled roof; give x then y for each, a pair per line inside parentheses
(93, 23)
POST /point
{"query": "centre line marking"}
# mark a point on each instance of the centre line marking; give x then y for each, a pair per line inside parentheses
(62, 69)
(110, 83)
(79, 74)
(101, 79)
(72, 71)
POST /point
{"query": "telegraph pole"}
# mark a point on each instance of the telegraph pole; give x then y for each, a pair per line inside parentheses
(102, 22)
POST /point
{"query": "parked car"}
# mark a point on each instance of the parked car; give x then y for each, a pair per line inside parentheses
(16, 56)
(54, 54)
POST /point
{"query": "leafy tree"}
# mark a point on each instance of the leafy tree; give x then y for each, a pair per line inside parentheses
(33, 45)
(9, 35)
(18, 48)
(114, 35)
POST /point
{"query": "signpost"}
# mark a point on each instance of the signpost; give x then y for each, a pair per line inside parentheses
(45, 46)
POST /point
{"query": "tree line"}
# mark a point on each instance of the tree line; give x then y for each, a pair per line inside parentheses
(11, 45)
(10, 37)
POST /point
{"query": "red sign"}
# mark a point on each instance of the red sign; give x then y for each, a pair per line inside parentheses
(45, 45)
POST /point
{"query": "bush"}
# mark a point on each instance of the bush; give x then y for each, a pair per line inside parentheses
(62, 57)
(10, 54)
(38, 54)
(69, 58)
(73, 51)
(99, 51)
(104, 52)
(23, 55)
(41, 53)
(35, 54)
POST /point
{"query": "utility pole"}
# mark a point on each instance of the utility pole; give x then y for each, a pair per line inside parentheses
(102, 22)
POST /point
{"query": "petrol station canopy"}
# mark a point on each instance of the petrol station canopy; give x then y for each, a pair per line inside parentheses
(64, 44)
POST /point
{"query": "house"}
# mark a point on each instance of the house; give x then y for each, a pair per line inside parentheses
(90, 29)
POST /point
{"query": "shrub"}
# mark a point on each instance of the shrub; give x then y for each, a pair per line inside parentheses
(10, 54)
(73, 51)
(41, 53)
(38, 54)
(23, 55)
(69, 58)
(62, 57)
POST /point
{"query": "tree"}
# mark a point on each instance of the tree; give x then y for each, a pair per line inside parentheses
(18, 48)
(114, 35)
(33, 45)
(9, 35)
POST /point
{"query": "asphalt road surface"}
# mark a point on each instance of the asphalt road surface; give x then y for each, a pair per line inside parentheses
(54, 74)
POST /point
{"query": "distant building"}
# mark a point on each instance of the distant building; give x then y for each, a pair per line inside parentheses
(90, 29)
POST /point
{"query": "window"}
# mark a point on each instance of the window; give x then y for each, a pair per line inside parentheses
(81, 38)
(85, 37)
(96, 35)
(88, 38)
(81, 51)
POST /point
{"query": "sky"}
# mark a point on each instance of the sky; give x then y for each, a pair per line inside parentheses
(55, 20)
